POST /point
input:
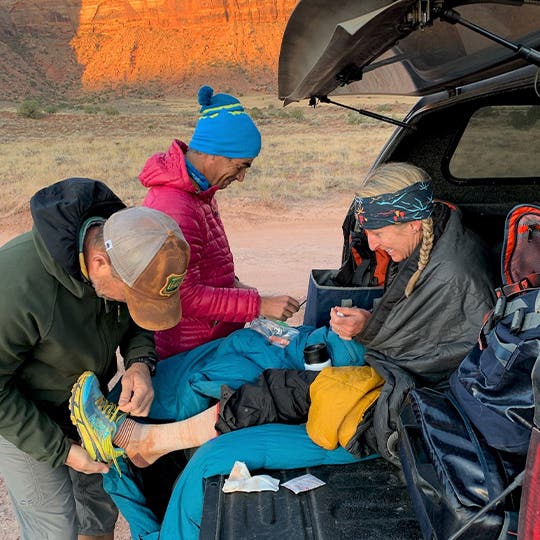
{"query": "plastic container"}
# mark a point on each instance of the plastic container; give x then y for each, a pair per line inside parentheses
(316, 357)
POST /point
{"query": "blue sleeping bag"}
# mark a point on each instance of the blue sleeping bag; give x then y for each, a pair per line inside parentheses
(190, 382)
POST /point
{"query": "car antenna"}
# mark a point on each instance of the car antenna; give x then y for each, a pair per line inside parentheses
(376, 116)
(527, 53)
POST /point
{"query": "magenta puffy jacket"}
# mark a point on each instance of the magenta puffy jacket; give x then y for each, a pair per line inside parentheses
(211, 305)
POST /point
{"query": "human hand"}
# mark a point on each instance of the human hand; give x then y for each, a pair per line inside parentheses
(348, 322)
(137, 390)
(279, 308)
(79, 460)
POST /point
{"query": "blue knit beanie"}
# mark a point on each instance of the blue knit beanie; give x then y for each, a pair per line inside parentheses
(224, 128)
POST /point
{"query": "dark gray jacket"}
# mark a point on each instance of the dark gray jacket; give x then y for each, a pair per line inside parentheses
(420, 340)
(430, 332)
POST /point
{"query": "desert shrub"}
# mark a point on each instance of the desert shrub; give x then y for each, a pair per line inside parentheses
(109, 110)
(30, 108)
(357, 119)
(256, 113)
(297, 114)
(383, 108)
(64, 105)
(91, 109)
(293, 114)
(51, 109)
(354, 119)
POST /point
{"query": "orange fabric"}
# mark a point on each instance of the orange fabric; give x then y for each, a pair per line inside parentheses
(382, 261)
(356, 256)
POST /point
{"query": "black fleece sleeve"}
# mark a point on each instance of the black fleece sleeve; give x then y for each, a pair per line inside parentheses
(277, 396)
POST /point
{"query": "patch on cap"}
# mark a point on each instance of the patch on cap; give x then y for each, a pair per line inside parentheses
(172, 284)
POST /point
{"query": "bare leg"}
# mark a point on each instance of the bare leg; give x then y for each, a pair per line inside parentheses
(145, 443)
(101, 537)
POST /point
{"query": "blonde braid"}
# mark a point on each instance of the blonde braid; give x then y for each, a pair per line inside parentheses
(425, 251)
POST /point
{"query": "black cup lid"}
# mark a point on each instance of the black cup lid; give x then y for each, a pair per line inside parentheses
(316, 353)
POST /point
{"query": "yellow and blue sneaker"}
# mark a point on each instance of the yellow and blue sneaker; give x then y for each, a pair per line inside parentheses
(96, 419)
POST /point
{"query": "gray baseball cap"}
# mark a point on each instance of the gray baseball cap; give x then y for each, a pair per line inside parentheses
(150, 254)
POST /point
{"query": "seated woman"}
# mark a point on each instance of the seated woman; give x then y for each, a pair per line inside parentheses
(437, 290)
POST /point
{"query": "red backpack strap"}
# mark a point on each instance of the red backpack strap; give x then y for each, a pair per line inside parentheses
(528, 282)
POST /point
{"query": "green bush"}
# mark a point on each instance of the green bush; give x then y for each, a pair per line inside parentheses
(51, 109)
(297, 114)
(30, 108)
(109, 110)
(354, 119)
(383, 108)
(256, 113)
(291, 114)
(91, 109)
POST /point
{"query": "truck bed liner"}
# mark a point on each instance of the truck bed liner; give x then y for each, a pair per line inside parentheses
(360, 501)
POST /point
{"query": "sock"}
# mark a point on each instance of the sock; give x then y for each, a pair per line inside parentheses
(124, 432)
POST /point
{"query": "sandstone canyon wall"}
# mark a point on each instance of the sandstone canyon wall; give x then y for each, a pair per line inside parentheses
(70, 46)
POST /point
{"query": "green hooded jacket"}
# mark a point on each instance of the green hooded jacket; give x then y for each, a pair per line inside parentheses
(52, 325)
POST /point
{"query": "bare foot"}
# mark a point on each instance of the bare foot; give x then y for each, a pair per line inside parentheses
(145, 443)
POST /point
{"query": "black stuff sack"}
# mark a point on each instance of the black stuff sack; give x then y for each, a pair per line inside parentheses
(493, 383)
(451, 473)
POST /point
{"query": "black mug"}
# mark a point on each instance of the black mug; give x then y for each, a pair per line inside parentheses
(316, 357)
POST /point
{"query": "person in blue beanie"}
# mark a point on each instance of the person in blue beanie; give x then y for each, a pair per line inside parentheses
(183, 183)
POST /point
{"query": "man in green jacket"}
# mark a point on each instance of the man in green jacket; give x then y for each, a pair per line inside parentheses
(90, 278)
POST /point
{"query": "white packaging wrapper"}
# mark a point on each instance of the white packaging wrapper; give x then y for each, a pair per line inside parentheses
(240, 479)
(302, 483)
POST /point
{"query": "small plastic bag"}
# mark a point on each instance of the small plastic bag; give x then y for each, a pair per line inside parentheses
(303, 483)
(277, 333)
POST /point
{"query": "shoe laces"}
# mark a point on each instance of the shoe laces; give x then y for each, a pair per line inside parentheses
(110, 410)
(114, 415)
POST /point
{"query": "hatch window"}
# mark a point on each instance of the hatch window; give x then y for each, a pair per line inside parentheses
(499, 142)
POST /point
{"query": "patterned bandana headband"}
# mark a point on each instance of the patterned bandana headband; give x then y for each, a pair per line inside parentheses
(408, 204)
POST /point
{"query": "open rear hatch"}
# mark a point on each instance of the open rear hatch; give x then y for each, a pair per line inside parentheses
(406, 47)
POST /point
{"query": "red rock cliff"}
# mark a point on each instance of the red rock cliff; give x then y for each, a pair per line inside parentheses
(112, 44)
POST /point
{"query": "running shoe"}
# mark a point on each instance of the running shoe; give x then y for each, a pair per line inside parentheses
(96, 419)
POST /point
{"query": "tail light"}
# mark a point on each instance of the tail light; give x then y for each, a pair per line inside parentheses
(529, 513)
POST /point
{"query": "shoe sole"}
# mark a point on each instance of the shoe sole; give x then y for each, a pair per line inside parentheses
(90, 443)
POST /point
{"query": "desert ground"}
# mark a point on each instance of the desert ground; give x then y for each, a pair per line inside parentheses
(282, 221)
